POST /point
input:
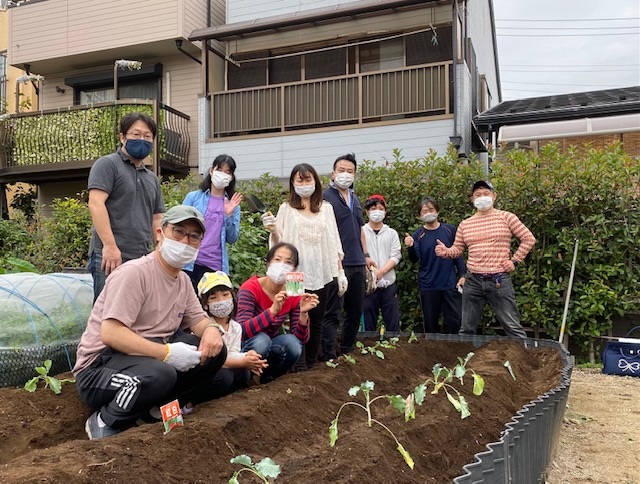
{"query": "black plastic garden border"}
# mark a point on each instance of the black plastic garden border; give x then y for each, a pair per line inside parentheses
(526, 445)
(521, 456)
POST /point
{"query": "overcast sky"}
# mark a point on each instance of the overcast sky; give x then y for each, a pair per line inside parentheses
(548, 47)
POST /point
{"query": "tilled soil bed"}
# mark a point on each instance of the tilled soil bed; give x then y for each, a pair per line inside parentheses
(42, 435)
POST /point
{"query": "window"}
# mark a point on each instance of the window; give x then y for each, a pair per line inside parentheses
(378, 56)
(142, 84)
(285, 69)
(410, 50)
(137, 90)
(326, 63)
(249, 74)
(3, 82)
(422, 49)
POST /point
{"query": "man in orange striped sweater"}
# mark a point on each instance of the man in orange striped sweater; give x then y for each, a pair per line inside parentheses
(487, 235)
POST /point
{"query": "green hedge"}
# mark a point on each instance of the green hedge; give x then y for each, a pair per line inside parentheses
(592, 195)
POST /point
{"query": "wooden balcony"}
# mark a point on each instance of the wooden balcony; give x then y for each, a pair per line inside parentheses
(358, 99)
(62, 144)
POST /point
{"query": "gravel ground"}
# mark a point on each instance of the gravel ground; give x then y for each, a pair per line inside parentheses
(600, 437)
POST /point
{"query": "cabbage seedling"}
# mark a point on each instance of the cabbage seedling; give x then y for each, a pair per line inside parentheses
(264, 469)
(396, 402)
(442, 379)
(386, 344)
(347, 358)
(49, 381)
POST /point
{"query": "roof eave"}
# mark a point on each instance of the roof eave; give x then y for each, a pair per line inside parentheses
(301, 19)
(495, 121)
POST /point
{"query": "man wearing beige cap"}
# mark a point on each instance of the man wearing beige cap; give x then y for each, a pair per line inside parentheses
(130, 357)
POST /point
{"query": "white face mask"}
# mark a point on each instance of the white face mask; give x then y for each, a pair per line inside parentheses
(429, 217)
(377, 215)
(177, 254)
(220, 179)
(344, 180)
(277, 272)
(483, 203)
(304, 191)
(221, 309)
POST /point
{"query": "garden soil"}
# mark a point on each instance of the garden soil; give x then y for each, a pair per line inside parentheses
(42, 435)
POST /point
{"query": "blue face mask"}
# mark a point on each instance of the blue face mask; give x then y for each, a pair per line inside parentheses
(138, 149)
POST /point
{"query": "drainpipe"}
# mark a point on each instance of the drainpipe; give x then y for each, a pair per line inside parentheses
(179, 47)
(206, 49)
(454, 30)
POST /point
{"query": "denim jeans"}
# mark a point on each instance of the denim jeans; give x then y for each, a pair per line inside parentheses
(447, 302)
(281, 353)
(383, 299)
(94, 268)
(478, 290)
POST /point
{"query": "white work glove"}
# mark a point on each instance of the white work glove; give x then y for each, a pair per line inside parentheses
(182, 356)
(269, 221)
(343, 283)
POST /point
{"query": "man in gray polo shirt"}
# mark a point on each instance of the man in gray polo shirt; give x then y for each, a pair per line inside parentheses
(125, 201)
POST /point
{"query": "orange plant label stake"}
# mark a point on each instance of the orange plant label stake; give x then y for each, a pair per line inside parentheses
(171, 416)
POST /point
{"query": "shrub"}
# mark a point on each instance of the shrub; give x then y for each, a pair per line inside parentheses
(175, 189)
(587, 194)
(404, 184)
(592, 195)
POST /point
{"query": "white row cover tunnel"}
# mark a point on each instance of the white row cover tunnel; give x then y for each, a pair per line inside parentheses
(43, 309)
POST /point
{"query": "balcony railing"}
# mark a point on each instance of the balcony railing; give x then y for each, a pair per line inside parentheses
(85, 133)
(354, 99)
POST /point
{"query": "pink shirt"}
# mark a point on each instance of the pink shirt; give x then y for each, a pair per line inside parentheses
(488, 238)
(143, 297)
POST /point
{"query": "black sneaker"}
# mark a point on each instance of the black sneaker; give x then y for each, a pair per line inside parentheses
(150, 417)
(96, 431)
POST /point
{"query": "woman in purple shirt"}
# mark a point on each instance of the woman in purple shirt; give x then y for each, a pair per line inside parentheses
(219, 204)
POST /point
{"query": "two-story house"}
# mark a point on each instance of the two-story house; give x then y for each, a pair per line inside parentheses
(306, 81)
(26, 97)
(71, 48)
(278, 82)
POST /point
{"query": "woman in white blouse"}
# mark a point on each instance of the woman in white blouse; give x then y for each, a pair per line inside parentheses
(308, 222)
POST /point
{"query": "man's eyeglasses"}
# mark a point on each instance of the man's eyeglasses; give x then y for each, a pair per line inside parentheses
(179, 233)
(138, 135)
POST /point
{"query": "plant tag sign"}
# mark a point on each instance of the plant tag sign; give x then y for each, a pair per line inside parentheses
(171, 416)
(295, 283)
